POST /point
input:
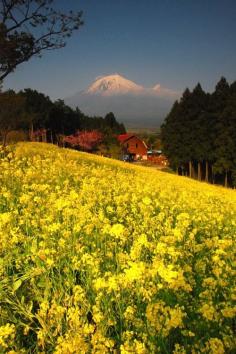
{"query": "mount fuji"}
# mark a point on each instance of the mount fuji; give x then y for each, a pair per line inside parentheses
(113, 85)
(133, 104)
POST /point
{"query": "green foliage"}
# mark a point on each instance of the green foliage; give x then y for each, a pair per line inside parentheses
(12, 113)
(200, 133)
(110, 147)
(38, 107)
(56, 119)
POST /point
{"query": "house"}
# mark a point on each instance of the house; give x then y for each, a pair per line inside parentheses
(133, 147)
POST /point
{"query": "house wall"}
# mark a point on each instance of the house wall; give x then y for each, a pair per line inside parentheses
(135, 146)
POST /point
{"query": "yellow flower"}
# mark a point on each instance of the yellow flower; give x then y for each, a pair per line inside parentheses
(229, 312)
(7, 334)
(215, 346)
(146, 201)
(208, 311)
(112, 257)
(117, 230)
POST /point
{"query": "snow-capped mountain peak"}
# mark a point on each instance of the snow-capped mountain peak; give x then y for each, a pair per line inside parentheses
(130, 102)
(113, 85)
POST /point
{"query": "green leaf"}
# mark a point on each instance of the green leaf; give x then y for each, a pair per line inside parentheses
(17, 284)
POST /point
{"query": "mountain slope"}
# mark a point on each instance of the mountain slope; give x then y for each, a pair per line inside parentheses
(131, 103)
(113, 85)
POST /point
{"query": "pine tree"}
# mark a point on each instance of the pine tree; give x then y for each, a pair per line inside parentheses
(200, 131)
(223, 143)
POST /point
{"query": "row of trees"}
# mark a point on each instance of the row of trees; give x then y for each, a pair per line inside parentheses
(49, 121)
(199, 134)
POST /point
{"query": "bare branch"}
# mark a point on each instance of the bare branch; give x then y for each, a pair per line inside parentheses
(20, 21)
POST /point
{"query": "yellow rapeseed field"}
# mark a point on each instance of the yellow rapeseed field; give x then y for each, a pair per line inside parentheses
(99, 256)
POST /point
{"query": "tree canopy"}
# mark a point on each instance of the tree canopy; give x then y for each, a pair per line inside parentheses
(12, 113)
(199, 134)
(86, 140)
(35, 113)
(29, 27)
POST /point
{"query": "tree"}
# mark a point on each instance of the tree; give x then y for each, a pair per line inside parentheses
(29, 27)
(52, 121)
(12, 113)
(62, 120)
(201, 130)
(112, 124)
(176, 135)
(197, 128)
(225, 149)
(87, 141)
(111, 147)
(37, 106)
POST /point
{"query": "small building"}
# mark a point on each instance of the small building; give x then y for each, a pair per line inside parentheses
(157, 157)
(133, 147)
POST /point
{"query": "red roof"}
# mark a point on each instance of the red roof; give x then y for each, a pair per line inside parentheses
(124, 137)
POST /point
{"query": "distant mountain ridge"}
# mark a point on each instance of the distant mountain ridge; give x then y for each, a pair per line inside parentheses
(131, 103)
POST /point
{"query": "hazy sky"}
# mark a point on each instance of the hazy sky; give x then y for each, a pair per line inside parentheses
(172, 42)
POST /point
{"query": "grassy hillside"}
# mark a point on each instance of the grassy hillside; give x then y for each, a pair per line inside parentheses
(98, 256)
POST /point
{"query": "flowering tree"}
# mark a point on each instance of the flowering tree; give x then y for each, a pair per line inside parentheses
(38, 135)
(86, 140)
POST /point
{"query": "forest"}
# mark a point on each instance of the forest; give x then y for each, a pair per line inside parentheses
(199, 134)
(40, 119)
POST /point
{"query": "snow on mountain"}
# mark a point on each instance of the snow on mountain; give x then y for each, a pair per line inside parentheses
(164, 92)
(113, 85)
(130, 102)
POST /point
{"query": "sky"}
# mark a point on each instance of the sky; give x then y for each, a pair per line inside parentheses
(176, 43)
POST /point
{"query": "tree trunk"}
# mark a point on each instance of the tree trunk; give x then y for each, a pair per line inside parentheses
(199, 172)
(207, 172)
(51, 138)
(226, 179)
(4, 143)
(212, 174)
(190, 169)
(31, 132)
(44, 137)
